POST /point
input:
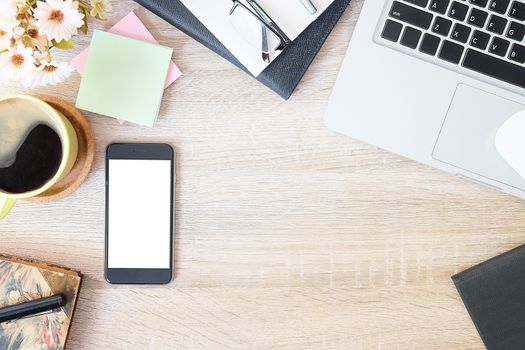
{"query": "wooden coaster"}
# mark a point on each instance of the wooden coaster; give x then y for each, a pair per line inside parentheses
(86, 153)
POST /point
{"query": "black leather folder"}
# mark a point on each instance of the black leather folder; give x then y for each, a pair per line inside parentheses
(285, 72)
(494, 294)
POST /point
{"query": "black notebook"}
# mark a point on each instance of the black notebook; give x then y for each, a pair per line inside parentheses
(494, 295)
(285, 72)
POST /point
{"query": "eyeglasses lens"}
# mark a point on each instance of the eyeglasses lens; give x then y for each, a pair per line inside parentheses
(255, 32)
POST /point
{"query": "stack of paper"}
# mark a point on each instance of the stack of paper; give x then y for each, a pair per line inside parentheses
(124, 78)
(130, 27)
(290, 15)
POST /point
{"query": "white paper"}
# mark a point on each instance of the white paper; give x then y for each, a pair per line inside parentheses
(290, 15)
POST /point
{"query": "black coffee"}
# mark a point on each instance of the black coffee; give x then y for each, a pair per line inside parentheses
(37, 161)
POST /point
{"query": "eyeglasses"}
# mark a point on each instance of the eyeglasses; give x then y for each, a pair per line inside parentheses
(257, 28)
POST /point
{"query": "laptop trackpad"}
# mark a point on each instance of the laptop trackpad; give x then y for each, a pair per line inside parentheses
(467, 137)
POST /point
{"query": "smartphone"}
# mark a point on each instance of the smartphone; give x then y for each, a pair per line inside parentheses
(139, 213)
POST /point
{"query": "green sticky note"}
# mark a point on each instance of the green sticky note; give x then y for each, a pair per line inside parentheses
(124, 78)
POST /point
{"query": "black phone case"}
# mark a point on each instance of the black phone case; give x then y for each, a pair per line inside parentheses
(494, 295)
(139, 151)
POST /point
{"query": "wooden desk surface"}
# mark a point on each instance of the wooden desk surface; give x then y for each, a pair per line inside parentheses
(288, 236)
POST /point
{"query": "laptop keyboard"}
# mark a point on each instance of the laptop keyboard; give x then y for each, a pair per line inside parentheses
(485, 36)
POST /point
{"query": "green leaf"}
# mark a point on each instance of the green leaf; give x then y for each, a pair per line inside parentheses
(28, 41)
(63, 45)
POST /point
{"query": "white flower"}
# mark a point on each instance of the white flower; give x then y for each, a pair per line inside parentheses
(58, 19)
(99, 8)
(18, 3)
(7, 16)
(18, 65)
(5, 39)
(15, 5)
(51, 73)
(40, 41)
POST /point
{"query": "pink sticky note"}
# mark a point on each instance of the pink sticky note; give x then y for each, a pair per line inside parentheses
(130, 27)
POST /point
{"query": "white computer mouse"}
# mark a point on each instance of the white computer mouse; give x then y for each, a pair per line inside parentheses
(510, 142)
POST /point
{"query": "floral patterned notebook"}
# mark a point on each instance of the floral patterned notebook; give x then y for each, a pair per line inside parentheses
(23, 280)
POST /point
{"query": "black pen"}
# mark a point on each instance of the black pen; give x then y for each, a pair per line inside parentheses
(32, 307)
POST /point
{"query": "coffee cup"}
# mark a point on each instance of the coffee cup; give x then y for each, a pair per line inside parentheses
(38, 147)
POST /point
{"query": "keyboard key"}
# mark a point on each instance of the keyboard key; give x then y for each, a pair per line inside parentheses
(451, 52)
(439, 6)
(422, 3)
(481, 3)
(430, 44)
(499, 6)
(411, 15)
(460, 33)
(458, 11)
(496, 24)
(391, 30)
(477, 17)
(495, 67)
(517, 10)
(499, 46)
(410, 37)
(516, 31)
(517, 53)
(442, 26)
(480, 40)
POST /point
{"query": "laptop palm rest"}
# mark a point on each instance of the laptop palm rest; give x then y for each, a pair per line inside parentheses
(466, 139)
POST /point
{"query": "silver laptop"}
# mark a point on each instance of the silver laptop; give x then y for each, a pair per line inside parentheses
(433, 80)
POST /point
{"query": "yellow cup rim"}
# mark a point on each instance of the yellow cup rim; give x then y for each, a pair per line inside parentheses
(57, 118)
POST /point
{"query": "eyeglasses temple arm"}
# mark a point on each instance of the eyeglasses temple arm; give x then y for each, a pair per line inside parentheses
(264, 16)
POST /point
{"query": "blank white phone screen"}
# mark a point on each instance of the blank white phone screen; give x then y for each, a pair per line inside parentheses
(139, 201)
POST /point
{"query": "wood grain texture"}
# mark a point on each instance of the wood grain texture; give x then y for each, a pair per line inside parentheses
(288, 236)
